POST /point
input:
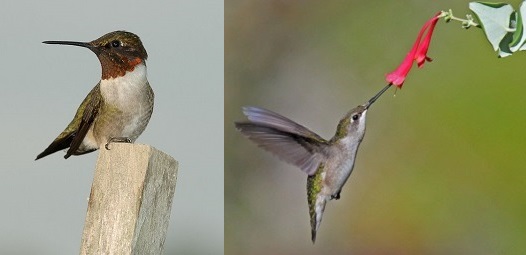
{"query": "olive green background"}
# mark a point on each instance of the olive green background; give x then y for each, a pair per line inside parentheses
(442, 167)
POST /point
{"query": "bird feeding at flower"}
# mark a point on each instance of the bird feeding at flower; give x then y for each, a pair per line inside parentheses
(327, 163)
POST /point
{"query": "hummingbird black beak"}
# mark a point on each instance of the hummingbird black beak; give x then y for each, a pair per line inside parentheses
(373, 99)
(80, 44)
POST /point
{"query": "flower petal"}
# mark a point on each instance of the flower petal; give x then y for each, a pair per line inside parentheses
(421, 53)
(418, 52)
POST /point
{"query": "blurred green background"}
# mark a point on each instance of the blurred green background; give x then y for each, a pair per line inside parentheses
(442, 167)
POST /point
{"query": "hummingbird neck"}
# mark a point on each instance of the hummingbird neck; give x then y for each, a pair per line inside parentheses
(117, 67)
(342, 129)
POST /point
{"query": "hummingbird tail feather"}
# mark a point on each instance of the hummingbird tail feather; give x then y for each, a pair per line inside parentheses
(316, 215)
(316, 201)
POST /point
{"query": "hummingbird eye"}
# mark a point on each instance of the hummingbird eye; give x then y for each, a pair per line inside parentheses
(355, 117)
(115, 44)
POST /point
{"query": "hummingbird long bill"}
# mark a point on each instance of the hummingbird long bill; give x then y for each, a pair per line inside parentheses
(327, 163)
(119, 107)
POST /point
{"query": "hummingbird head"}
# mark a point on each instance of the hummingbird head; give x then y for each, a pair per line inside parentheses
(118, 52)
(353, 124)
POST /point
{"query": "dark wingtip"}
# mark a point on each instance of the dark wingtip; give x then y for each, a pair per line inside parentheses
(41, 155)
(239, 126)
(313, 236)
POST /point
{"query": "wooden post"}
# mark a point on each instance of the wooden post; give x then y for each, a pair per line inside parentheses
(130, 201)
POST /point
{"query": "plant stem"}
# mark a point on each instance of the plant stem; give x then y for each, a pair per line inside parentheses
(466, 23)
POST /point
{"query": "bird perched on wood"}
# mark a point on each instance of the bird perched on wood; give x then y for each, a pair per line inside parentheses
(119, 107)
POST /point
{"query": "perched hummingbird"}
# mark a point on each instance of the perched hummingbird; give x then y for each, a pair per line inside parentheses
(119, 107)
(328, 164)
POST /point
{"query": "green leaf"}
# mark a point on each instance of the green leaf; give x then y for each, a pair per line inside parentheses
(523, 47)
(492, 5)
(494, 19)
(504, 46)
(519, 37)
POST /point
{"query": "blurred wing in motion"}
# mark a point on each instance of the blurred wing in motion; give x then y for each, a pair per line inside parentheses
(285, 138)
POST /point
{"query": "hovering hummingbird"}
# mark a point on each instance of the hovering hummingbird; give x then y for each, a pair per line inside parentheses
(119, 107)
(328, 164)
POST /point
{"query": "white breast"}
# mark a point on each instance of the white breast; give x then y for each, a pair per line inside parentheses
(122, 91)
(131, 95)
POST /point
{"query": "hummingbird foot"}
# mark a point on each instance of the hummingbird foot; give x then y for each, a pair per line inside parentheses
(336, 196)
(116, 140)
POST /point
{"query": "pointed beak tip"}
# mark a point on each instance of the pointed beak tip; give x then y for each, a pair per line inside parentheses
(80, 44)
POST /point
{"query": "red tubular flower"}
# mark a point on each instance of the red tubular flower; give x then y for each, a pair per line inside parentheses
(421, 53)
(397, 77)
(418, 53)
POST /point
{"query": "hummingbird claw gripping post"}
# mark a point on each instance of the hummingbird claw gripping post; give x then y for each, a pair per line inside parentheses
(116, 140)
